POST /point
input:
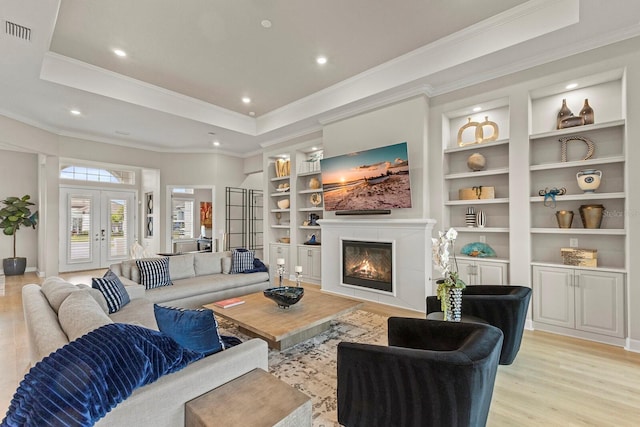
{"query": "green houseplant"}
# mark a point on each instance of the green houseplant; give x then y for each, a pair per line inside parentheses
(16, 213)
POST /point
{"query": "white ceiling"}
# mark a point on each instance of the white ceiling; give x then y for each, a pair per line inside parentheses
(189, 63)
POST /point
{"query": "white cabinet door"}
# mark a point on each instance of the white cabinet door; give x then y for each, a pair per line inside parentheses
(553, 299)
(279, 251)
(466, 270)
(600, 302)
(491, 273)
(482, 273)
(309, 259)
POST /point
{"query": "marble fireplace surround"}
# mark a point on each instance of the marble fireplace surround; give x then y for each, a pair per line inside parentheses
(412, 245)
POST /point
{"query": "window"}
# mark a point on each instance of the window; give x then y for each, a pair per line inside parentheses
(182, 218)
(94, 174)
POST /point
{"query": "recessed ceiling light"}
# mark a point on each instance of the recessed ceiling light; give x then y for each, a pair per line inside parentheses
(321, 60)
(216, 143)
(75, 112)
(246, 99)
(476, 109)
(120, 52)
(572, 85)
(314, 148)
(266, 23)
(252, 113)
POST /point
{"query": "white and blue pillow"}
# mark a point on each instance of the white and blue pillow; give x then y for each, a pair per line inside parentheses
(194, 329)
(154, 273)
(241, 260)
(112, 290)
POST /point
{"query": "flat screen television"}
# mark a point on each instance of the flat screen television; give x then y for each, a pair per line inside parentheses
(370, 180)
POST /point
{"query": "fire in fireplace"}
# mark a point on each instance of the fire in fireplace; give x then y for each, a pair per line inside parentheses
(368, 264)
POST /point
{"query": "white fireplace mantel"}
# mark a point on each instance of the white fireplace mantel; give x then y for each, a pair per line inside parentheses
(412, 238)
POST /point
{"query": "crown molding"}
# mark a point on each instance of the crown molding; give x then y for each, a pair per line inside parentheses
(374, 104)
(70, 72)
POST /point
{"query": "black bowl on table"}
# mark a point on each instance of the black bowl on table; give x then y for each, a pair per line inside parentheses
(285, 296)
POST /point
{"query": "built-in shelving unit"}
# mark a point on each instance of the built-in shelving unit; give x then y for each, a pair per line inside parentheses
(289, 229)
(458, 175)
(588, 302)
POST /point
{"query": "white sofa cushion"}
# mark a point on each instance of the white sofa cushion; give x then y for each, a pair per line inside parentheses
(181, 266)
(57, 290)
(208, 263)
(79, 314)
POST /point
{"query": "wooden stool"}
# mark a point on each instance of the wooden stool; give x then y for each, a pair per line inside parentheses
(255, 399)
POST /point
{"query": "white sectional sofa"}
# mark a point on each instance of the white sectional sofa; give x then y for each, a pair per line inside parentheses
(198, 279)
(58, 312)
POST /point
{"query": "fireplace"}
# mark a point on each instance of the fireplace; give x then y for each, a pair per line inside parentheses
(368, 265)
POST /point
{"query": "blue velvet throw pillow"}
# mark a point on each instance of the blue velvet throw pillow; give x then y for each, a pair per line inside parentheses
(241, 260)
(113, 291)
(196, 330)
(154, 273)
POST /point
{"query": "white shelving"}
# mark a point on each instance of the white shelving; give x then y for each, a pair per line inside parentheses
(458, 175)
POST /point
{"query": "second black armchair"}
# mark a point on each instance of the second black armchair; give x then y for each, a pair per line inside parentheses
(504, 307)
(433, 373)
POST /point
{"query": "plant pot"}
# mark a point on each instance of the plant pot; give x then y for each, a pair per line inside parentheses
(14, 266)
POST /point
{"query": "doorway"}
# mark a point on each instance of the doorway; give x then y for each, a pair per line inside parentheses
(97, 227)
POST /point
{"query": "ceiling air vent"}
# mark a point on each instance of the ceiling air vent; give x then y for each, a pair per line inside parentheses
(17, 30)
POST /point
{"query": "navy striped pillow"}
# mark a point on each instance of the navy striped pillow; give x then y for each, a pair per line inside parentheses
(113, 291)
(154, 273)
(241, 260)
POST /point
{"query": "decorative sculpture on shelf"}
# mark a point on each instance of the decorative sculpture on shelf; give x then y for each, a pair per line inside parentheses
(550, 195)
(478, 249)
(479, 132)
(563, 149)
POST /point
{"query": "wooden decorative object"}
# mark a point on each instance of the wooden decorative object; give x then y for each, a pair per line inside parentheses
(475, 193)
(479, 132)
(580, 257)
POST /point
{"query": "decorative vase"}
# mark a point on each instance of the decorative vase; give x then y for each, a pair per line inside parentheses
(565, 218)
(14, 266)
(476, 162)
(587, 113)
(591, 215)
(314, 183)
(589, 180)
(481, 219)
(563, 113)
(470, 217)
(283, 204)
(453, 309)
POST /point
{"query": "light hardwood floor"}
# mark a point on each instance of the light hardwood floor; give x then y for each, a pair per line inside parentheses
(554, 381)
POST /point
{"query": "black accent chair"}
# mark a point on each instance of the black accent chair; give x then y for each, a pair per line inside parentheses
(433, 373)
(504, 307)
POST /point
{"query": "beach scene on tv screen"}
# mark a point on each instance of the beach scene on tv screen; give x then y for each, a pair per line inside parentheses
(371, 179)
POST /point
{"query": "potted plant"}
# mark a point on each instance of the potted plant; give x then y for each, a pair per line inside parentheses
(450, 286)
(13, 215)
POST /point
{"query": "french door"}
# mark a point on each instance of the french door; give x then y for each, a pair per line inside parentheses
(97, 227)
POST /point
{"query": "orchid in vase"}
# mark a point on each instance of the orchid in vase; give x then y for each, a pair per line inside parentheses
(450, 286)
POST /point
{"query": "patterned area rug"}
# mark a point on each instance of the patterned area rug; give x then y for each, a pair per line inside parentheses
(311, 365)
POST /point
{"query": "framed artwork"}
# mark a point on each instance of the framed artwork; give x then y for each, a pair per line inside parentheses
(206, 214)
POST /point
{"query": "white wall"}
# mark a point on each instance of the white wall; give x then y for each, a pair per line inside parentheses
(19, 176)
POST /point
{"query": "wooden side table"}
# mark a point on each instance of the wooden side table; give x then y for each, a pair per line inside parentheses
(256, 399)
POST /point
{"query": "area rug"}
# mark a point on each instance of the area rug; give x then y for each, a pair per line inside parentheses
(311, 365)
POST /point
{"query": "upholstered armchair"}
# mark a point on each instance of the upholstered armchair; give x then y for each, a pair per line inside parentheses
(432, 373)
(504, 307)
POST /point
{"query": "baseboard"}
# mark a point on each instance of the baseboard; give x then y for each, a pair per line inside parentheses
(528, 324)
(632, 345)
(27, 270)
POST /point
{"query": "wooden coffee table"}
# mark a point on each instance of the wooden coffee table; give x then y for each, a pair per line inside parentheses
(282, 328)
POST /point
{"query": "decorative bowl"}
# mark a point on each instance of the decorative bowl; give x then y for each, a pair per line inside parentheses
(284, 296)
(285, 240)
